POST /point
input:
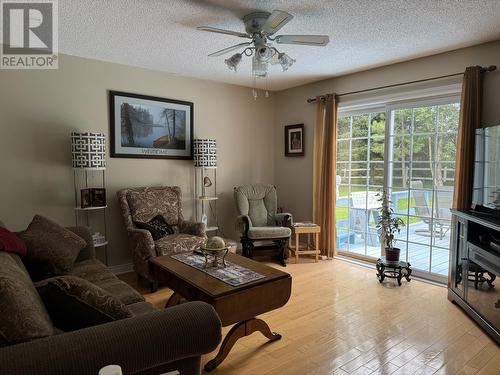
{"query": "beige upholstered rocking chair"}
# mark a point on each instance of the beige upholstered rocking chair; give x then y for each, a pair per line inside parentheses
(258, 220)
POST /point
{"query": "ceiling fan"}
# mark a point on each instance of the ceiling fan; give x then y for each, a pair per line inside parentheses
(260, 29)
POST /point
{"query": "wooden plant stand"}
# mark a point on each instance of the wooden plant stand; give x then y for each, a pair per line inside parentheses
(393, 271)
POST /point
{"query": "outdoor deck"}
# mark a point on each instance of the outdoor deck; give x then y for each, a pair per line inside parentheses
(417, 252)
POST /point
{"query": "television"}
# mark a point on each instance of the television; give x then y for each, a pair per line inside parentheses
(486, 188)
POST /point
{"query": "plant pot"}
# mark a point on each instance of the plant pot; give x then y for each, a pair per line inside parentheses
(392, 254)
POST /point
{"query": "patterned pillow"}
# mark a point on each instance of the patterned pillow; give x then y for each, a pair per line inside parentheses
(24, 316)
(157, 227)
(52, 249)
(74, 303)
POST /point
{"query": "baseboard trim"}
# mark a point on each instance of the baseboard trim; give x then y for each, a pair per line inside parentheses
(122, 268)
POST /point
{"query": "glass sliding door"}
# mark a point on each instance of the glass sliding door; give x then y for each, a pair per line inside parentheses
(421, 168)
(360, 174)
(412, 155)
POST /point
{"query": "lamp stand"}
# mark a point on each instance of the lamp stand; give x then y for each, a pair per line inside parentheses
(206, 198)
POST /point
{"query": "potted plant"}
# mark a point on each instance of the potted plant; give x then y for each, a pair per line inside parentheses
(389, 224)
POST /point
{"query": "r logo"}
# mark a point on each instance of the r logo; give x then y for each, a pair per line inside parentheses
(18, 29)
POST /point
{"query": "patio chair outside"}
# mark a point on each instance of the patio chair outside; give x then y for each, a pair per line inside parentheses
(422, 208)
(444, 200)
(441, 222)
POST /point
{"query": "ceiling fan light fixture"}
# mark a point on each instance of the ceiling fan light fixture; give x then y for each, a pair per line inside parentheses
(264, 53)
(260, 31)
(259, 67)
(233, 62)
(285, 61)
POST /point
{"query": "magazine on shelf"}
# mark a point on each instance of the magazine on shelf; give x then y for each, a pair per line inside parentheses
(304, 224)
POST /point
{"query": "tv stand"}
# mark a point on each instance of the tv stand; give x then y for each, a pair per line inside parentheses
(474, 280)
(486, 214)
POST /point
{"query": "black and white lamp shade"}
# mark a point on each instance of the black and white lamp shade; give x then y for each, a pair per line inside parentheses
(205, 153)
(88, 150)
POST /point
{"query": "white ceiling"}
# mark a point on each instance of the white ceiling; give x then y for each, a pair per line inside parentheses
(162, 35)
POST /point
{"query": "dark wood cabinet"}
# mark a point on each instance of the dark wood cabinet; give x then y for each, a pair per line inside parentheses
(475, 269)
(459, 250)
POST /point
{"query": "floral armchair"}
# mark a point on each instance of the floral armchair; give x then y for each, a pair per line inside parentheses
(258, 220)
(143, 204)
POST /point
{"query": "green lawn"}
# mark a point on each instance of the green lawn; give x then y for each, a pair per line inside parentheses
(344, 190)
(342, 213)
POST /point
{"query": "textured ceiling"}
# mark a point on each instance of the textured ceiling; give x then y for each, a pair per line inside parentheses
(162, 35)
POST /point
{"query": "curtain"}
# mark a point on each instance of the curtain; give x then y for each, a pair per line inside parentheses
(325, 151)
(470, 120)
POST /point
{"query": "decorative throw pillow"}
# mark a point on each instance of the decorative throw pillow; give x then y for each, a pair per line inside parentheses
(75, 303)
(24, 316)
(157, 227)
(52, 249)
(11, 243)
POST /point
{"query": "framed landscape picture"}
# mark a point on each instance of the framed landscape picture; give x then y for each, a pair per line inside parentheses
(294, 140)
(150, 127)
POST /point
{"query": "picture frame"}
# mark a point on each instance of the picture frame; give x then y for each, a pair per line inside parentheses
(85, 199)
(98, 197)
(294, 140)
(150, 127)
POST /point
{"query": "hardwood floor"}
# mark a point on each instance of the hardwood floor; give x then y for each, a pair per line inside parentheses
(340, 320)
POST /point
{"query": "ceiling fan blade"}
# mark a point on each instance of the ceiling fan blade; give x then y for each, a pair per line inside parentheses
(229, 49)
(222, 31)
(276, 20)
(306, 40)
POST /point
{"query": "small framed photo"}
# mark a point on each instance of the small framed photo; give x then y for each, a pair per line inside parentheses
(98, 197)
(85, 199)
(294, 140)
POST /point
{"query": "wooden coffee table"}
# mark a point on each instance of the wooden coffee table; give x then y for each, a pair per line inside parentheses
(235, 305)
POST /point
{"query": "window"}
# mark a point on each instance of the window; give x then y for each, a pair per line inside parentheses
(412, 155)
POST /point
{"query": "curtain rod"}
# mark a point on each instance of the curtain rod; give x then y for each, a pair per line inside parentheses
(490, 68)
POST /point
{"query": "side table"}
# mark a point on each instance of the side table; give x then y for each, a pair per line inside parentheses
(393, 271)
(294, 246)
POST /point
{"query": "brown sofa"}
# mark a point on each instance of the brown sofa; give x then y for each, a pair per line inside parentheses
(141, 204)
(153, 341)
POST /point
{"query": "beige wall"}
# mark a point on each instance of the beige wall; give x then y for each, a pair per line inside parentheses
(39, 109)
(293, 176)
